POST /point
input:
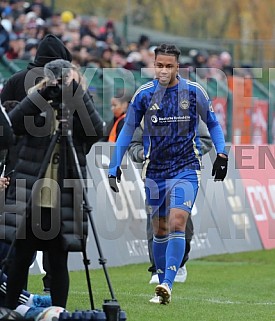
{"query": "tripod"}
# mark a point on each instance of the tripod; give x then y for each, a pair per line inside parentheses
(63, 135)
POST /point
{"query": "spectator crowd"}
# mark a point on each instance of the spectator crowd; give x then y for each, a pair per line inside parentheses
(90, 42)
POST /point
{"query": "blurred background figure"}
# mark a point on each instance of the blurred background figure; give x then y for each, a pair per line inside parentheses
(143, 42)
(226, 63)
(199, 62)
(119, 105)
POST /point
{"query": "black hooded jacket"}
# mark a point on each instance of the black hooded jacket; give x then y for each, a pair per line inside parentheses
(50, 48)
(16, 88)
(87, 129)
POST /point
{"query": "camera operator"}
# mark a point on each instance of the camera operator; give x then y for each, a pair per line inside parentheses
(16, 89)
(54, 220)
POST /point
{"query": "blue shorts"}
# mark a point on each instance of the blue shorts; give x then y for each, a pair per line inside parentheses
(177, 192)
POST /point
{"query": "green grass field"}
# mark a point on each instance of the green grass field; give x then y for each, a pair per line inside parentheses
(232, 287)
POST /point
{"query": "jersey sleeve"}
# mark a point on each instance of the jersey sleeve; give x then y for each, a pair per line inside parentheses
(132, 120)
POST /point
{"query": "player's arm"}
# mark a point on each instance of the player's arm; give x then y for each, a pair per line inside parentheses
(207, 114)
(132, 120)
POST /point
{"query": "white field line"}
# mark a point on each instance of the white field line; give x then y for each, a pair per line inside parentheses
(179, 298)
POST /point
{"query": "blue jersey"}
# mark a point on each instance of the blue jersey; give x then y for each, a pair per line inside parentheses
(171, 117)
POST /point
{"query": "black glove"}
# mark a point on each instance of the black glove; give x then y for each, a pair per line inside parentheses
(220, 168)
(112, 180)
(51, 92)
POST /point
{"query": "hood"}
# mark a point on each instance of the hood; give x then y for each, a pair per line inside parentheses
(49, 49)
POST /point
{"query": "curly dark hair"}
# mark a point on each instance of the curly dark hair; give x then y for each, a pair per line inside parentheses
(165, 49)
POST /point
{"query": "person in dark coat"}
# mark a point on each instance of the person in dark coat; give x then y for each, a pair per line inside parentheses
(49, 49)
(55, 221)
(17, 86)
(16, 89)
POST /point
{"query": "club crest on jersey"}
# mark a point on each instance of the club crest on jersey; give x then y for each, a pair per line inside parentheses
(154, 119)
(184, 104)
(211, 108)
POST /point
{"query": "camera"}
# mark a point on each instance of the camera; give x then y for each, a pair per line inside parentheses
(57, 74)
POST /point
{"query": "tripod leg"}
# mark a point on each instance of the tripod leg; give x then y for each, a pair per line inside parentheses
(102, 260)
(86, 262)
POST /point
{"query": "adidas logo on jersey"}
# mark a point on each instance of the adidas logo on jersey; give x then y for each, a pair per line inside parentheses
(154, 107)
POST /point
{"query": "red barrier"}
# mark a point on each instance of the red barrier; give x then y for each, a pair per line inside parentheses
(256, 165)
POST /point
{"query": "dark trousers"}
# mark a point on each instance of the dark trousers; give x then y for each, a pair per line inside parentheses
(47, 279)
(19, 269)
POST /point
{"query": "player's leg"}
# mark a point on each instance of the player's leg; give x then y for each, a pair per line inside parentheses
(174, 253)
(155, 196)
(149, 233)
(189, 232)
(182, 194)
(160, 242)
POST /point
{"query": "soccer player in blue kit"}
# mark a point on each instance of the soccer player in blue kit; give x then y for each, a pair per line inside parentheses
(171, 107)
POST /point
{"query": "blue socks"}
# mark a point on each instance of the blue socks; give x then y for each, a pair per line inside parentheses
(159, 251)
(168, 254)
